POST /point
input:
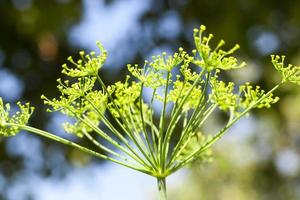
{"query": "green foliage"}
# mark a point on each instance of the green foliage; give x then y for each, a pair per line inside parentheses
(223, 95)
(248, 96)
(180, 90)
(150, 77)
(88, 65)
(213, 59)
(164, 62)
(289, 73)
(196, 140)
(127, 106)
(128, 121)
(7, 121)
(252, 96)
(78, 98)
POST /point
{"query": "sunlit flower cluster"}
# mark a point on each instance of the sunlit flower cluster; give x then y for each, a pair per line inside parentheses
(188, 87)
(8, 121)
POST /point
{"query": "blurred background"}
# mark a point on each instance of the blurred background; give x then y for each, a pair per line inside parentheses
(259, 158)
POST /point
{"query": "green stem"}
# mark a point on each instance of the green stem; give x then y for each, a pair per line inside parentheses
(77, 146)
(154, 133)
(142, 146)
(177, 151)
(126, 124)
(133, 155)
(188, 123)
(104, 148)
(112, 128)
(162, 126)
(221, 132)
(145, 134)
(178, 112)
(161, 184)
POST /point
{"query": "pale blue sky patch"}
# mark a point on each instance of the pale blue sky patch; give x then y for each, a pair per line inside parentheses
(11, 87)
(266, 43)
(2, 183)
(93, 182)
(115, 25)
(287, 162)
(55, 125)
(263, 41)
(242, 131)
(27, 146)
(170, 25)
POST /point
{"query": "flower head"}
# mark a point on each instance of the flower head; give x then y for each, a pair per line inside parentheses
(87, 65)
(289, 73)
(211, 59)
(20, 118)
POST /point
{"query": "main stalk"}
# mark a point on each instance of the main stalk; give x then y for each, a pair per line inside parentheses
(161, 183)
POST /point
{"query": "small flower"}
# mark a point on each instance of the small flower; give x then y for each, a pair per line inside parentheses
(146, 144)
(180, 90)
(88, 65)
(196, 140)
(167, 63)
(216, 58)
(255, 97)
(223, 95)
(147, 75)
(20, 118)
(78, 100)
(289, 73)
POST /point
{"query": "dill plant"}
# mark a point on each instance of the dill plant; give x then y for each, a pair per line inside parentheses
(120, 116)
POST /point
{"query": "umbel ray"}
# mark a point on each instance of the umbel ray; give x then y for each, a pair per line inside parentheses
(187, 83)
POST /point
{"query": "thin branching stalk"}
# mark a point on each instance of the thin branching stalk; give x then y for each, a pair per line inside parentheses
(132, 136)
(162, 126)
(136, 140)
(76, 146)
